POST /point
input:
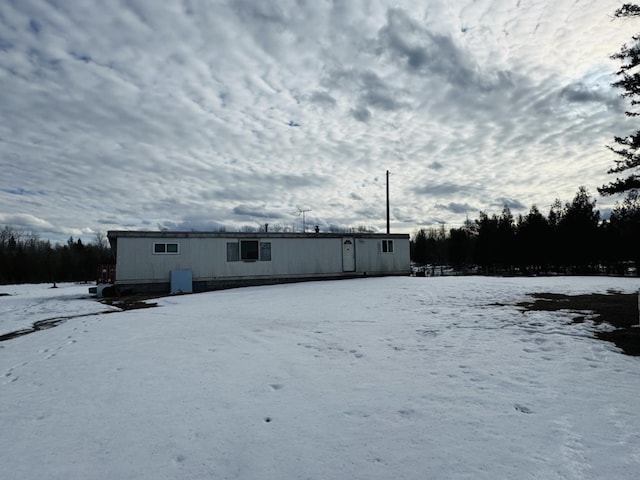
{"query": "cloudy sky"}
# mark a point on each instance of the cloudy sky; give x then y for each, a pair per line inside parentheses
(196, 114)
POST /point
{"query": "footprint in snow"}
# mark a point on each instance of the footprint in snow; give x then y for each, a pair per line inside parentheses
(10, 377)
(522, 409)
(406, 412)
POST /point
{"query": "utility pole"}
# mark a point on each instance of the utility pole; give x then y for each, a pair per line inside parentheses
(387, 202)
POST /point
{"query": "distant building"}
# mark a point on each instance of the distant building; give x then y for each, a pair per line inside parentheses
(162, 262)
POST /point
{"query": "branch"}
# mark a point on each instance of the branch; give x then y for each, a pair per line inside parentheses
(628, 10)
(631, 183)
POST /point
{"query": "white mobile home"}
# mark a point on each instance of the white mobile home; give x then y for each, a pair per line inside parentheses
(153, 261)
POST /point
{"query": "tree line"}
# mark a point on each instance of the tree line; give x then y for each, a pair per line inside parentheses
(25, 258)
(571, 238)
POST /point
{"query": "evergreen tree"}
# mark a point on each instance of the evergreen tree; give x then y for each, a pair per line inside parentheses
(623, 234)
(533, 235)
(554, 252)
(505, 238)
(487, 245)
(419, 250)
(461, 244)
(628, 148)
(430, 246)
(578, 230)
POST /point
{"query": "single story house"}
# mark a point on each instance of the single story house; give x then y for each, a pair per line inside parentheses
(164, 261)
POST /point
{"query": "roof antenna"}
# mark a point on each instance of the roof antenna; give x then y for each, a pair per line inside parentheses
(304, 223)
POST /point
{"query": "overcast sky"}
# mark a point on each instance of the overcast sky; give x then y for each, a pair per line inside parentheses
(196, 114)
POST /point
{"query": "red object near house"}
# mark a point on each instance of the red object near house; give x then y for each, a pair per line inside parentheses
(106, 274)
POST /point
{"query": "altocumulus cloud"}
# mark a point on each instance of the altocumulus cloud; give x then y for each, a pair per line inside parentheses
(196, 115)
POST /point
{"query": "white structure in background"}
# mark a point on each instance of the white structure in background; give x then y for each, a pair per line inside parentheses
(160, 262)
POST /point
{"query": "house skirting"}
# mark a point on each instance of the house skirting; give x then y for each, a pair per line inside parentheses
(159, 288)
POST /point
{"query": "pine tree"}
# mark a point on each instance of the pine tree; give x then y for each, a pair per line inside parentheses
(578, 231)
(420, 247)
(487, 245)
(505, 239)
(627, 148)
(534, 240)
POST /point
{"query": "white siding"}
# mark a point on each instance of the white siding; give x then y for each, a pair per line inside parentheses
(371, 259)
(290, 256)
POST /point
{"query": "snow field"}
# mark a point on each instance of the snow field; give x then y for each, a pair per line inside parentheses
(366, 379)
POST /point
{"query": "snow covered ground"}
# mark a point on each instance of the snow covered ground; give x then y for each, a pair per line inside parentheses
(379, 378)
(23, 305)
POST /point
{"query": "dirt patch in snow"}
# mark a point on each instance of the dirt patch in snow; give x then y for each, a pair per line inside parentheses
(619, 310)
(130, 302)
(124, 303)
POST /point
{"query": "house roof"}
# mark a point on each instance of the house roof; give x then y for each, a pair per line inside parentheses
(114, 234)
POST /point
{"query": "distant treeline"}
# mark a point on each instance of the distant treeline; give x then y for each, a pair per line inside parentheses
(570, 239)
(24, 258)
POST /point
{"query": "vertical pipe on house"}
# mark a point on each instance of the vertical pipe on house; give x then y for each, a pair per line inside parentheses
(387, 201)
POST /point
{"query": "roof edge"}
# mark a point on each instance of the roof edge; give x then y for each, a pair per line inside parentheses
(202, 234)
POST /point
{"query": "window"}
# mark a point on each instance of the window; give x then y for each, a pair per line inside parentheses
(249, 250)
(265, 251)
(387, 246)
(233, 252)
(166, 248)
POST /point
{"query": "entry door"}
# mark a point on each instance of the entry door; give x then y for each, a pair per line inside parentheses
(348, 255)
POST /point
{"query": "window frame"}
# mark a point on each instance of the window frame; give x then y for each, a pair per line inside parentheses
(387, 246)
(235, 251)
(165, 248)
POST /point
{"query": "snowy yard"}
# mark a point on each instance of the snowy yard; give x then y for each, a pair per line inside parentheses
(378, 378)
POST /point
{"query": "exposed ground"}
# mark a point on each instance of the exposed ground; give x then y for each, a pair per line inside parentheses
(123, 303)
(619, 310)
(131, 302)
